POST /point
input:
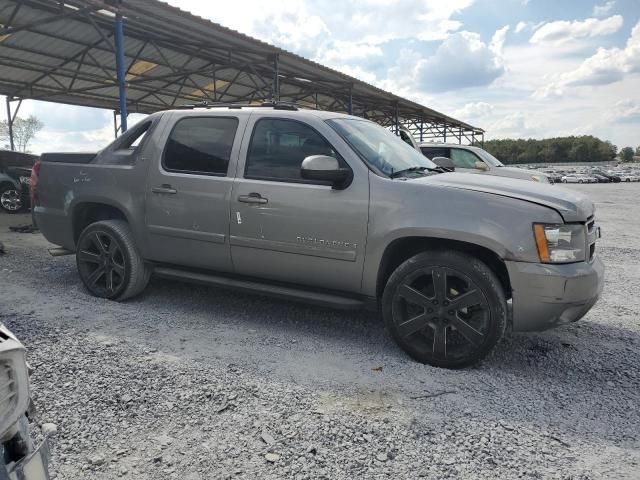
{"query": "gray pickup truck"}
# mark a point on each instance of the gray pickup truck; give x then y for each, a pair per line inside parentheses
(324, 208)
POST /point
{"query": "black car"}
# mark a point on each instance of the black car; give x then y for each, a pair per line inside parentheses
(15, 178)
(601, 178)
(611, 178)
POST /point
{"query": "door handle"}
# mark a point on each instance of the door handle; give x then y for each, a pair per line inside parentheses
(165, 188)
(253, 198)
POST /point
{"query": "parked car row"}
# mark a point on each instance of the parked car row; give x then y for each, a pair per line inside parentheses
(600, 177)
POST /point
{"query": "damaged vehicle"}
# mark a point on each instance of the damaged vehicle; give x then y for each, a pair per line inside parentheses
(15, 178)
(20, 460)
(323, 208)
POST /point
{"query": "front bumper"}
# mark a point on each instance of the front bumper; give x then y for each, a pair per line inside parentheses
(546, 296)
(34, 466)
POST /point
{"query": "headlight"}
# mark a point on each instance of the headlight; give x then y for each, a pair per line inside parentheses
(560, 243)
(539, 178)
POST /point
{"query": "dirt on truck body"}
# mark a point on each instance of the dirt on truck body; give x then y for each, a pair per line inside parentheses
(329, 209)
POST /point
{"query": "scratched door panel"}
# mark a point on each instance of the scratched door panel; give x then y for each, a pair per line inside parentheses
(306, 234)
(188, 191)
(191, 226)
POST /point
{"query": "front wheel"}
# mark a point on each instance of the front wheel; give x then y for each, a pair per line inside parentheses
(108, 261)
(445, 308)
(11, 199)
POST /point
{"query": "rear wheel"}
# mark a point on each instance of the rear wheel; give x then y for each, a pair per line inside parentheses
(446, 309)
(11, 199)
(108, 261)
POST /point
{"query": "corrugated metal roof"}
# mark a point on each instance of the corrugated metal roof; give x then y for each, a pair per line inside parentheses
(64, 52)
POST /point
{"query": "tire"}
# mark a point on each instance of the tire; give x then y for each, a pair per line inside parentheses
(579, 181)
(452, 337)
(11, 199)
(564, 181)
(109, 263)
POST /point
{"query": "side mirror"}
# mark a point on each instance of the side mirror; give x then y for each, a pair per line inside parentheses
(444, 162)
(325, 169)
(481, 165)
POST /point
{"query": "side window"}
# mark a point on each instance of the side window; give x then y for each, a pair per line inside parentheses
(463, 158)
(200, 145)
(433, 152)
(278, 148)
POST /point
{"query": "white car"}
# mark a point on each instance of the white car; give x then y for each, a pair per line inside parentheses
(574, 178)
(470, 159)
(628, 177)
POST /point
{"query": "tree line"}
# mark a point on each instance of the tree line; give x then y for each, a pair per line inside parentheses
(585, 148)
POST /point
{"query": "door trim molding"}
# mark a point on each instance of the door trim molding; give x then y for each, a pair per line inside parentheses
(295, 248)
(190, 234)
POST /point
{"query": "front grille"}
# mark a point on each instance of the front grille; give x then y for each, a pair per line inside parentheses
(591, 237)
(8, 393)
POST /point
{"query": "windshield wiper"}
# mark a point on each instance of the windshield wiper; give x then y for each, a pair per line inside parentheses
(418, 170)
(408, 170)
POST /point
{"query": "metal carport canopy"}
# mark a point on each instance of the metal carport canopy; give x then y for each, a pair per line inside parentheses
(66, 52)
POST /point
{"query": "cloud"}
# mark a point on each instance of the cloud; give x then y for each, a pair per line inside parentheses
(521, 26)
(563, 31)
(625, 111)
(341, 51)
(462, 60)
(607, 65)
(309, 27)
(474, 110)
(604, 9)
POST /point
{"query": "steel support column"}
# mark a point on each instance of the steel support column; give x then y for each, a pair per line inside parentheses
(396, 120)
(421, 129)
(10, 124)
(120, 65)
(275, 94)
(350, 100)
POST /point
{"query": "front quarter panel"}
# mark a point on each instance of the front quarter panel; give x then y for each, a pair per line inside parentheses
(400, 209)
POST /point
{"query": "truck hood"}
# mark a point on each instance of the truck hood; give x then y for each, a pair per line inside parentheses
(573, 206)
(521, 172)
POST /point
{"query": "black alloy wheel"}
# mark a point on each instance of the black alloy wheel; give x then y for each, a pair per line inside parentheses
(445, 308)
(101, 263)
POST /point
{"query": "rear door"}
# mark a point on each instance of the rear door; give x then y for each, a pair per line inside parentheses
(188, 191)
(294, 230)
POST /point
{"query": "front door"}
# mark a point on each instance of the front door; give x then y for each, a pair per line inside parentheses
(188, 192)
(289, 229)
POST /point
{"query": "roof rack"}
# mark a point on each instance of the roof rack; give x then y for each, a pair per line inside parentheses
(207, 105)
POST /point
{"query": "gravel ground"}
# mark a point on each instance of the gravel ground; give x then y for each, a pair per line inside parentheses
(190, 382)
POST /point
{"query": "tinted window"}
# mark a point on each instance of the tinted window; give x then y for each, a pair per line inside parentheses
(463, 158)
(433, 152)
(200, 145)
(278, 148)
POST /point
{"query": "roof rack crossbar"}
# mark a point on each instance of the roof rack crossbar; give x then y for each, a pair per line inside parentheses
(207, 105)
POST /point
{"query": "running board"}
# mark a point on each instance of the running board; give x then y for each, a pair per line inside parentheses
(278, 291)
(59, 252)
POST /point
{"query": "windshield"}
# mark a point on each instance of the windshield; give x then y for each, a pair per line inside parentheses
(487, 157)
(380, 148)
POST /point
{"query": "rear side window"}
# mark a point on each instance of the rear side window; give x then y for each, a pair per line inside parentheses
(200, 145)
(433, 152)
(278, 148)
